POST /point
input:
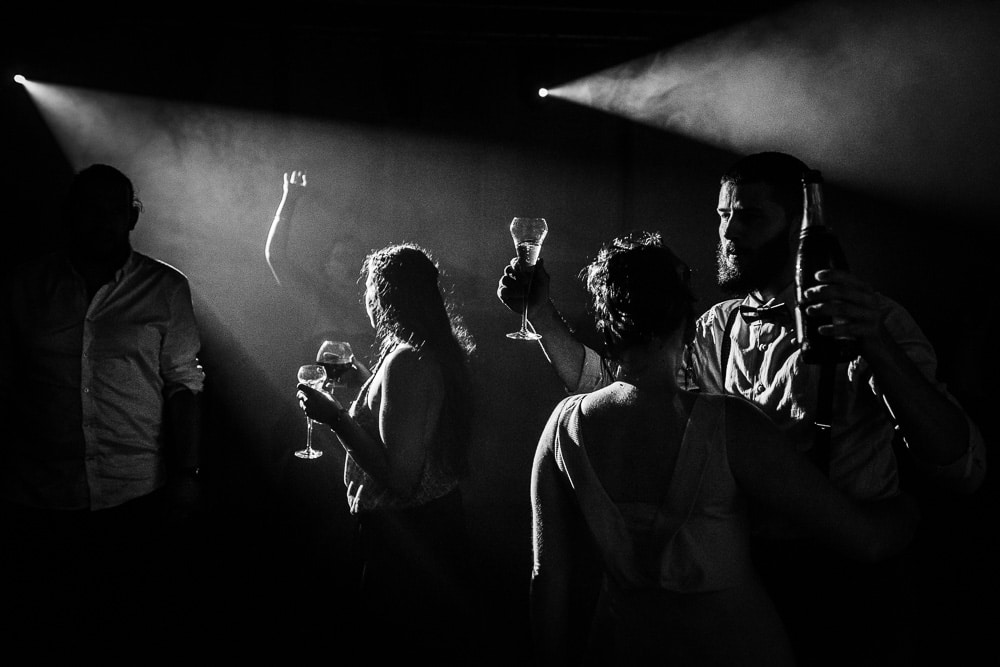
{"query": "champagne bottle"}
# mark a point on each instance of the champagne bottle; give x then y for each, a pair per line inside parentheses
(818, 249)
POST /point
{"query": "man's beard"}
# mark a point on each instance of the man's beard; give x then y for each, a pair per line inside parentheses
(745, 271)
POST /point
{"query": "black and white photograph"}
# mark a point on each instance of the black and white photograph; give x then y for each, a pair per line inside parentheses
(451, 333)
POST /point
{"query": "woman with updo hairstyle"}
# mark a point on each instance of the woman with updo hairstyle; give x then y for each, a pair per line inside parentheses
(406, 436)
(639, 294)
(640, 494)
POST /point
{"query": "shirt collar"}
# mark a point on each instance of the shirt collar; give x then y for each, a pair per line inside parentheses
(128, 266)
(785, 296)
(752, 308)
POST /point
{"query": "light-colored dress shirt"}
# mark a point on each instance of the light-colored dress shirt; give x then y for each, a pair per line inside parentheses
(88, 379)
(764, 366)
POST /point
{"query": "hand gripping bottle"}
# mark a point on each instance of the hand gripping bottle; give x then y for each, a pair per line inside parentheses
(818, 249)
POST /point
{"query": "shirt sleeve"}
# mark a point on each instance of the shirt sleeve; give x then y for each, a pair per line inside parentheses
(179, 363)
(702, 365)
(966, 474)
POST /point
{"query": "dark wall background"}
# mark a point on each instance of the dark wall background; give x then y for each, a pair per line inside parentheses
(420, 122)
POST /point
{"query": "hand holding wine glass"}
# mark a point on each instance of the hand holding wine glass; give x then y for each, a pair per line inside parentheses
(312, 375)
(528, 234)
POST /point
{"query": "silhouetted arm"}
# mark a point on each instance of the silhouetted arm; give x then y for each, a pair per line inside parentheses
(768, 469)
(300, 283)
(276, 247)
(409, 405)
(183, 413)
(558, 636)
(935, 428)
(183, 382)
(562, 350)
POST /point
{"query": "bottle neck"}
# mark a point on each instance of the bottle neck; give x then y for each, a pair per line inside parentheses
(812, 206)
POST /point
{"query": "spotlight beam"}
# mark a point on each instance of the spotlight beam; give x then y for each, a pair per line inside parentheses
(852, 91)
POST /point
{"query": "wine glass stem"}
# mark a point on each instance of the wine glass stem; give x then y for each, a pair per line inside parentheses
(309, 434)
(527, 302)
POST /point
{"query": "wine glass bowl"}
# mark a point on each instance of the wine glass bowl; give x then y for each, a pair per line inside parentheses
(528, 234)
(313, 375)
(337, 359)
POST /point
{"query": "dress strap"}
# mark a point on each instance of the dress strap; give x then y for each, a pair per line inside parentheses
(682, 493)
(363, 391)
(604, 519)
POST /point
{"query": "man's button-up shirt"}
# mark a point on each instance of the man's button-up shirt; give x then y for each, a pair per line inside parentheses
(88, 379)
(764, 365)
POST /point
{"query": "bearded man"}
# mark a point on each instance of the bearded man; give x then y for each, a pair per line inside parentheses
(746, 346)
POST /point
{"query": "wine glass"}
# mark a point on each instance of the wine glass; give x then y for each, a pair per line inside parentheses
(528, 234)
(313, 375)
(337, 358)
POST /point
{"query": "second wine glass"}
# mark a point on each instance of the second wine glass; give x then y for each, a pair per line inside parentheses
(337, 358)
(313, 375)
(528, 234)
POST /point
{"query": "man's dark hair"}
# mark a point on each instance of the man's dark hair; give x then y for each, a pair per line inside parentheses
(639, 289)
(106, 180)
(782, 172)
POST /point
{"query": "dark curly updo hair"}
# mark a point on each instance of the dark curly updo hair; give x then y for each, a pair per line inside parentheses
(639, 290)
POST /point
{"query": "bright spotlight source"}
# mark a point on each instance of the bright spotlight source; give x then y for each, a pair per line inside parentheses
(543, 92)
(19, 78)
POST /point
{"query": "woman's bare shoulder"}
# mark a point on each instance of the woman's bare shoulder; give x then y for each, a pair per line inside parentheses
(606, 399)
(410, 364)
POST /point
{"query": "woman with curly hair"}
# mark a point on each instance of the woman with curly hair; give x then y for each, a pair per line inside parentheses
(647, 487)
(406, 436)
